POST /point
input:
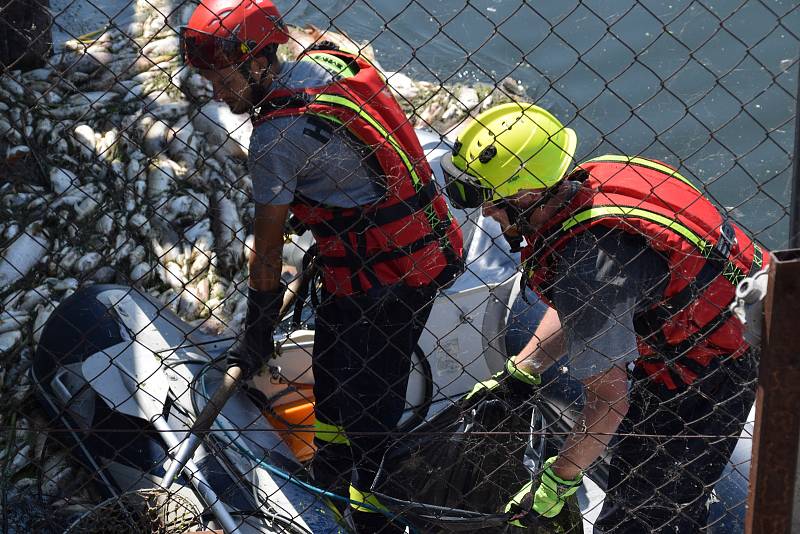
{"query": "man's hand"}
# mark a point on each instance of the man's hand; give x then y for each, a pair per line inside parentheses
(547, 501)
(512, 382)
(256, 345)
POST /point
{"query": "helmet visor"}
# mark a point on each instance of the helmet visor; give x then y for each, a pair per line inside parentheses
(205, 51)
(464, 190)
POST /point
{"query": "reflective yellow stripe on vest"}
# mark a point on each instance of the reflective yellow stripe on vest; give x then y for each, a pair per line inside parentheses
(331, 63)
(364, 501)
(341, 101)
(335, 100)
(730, 271)
(647, 163)
(325, 116)
(734, 275)
(330, 433)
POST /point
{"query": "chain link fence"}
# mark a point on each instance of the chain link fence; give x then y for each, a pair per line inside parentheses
(127, 221)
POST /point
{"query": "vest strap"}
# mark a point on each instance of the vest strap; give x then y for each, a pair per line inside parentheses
(678, 352)
(341, 224)
(649, 321)
(381, 257)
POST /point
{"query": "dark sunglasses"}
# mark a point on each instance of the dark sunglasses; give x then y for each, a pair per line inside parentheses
(205, 51)
(464, 190)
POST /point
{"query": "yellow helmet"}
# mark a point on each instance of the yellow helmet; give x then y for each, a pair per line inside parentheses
(507, 149)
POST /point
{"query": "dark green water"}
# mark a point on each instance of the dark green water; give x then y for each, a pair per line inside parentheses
(710, 86)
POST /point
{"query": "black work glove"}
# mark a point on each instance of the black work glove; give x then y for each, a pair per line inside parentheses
(255, 346)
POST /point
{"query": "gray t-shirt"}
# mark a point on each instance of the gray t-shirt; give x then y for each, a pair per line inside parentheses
(307, 156)
(604, 277)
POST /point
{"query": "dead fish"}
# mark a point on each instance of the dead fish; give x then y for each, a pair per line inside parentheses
(161, 178)
(22, 255)
(87, 263)
(11, 320)
(43, 312)
(141, 273)
(229, 232)
(9, 340)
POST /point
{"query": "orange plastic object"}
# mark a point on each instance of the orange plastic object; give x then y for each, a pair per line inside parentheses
(294, 422)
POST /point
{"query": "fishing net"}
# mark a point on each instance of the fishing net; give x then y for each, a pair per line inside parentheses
(150, 511)
(457, 471)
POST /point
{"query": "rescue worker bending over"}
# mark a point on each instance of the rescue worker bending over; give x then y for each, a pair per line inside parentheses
(332, 145)
(638, 269)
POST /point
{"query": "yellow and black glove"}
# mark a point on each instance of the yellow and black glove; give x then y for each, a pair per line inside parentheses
(510, 383)
(547, 501)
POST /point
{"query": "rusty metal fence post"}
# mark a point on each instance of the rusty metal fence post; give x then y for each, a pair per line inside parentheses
(777, 430)
(774, 475)
(794, 213)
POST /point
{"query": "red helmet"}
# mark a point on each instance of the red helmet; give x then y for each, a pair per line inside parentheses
(221, 33)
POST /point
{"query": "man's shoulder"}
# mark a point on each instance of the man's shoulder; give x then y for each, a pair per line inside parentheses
(278, 130)
(601, 249)
(605, 238)
(303, 75)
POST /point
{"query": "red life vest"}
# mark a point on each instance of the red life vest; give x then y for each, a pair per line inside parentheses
(707, 256)
(408, 236)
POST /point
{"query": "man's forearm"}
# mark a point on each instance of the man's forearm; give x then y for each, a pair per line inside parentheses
(589, 439)
(545, 347)
(605, 407)
(265, 259)
(265, 271)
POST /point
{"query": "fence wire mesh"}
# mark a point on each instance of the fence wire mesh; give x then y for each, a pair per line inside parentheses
(136, 210)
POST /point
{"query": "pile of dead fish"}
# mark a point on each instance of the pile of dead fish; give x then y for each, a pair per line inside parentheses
(136, 177)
